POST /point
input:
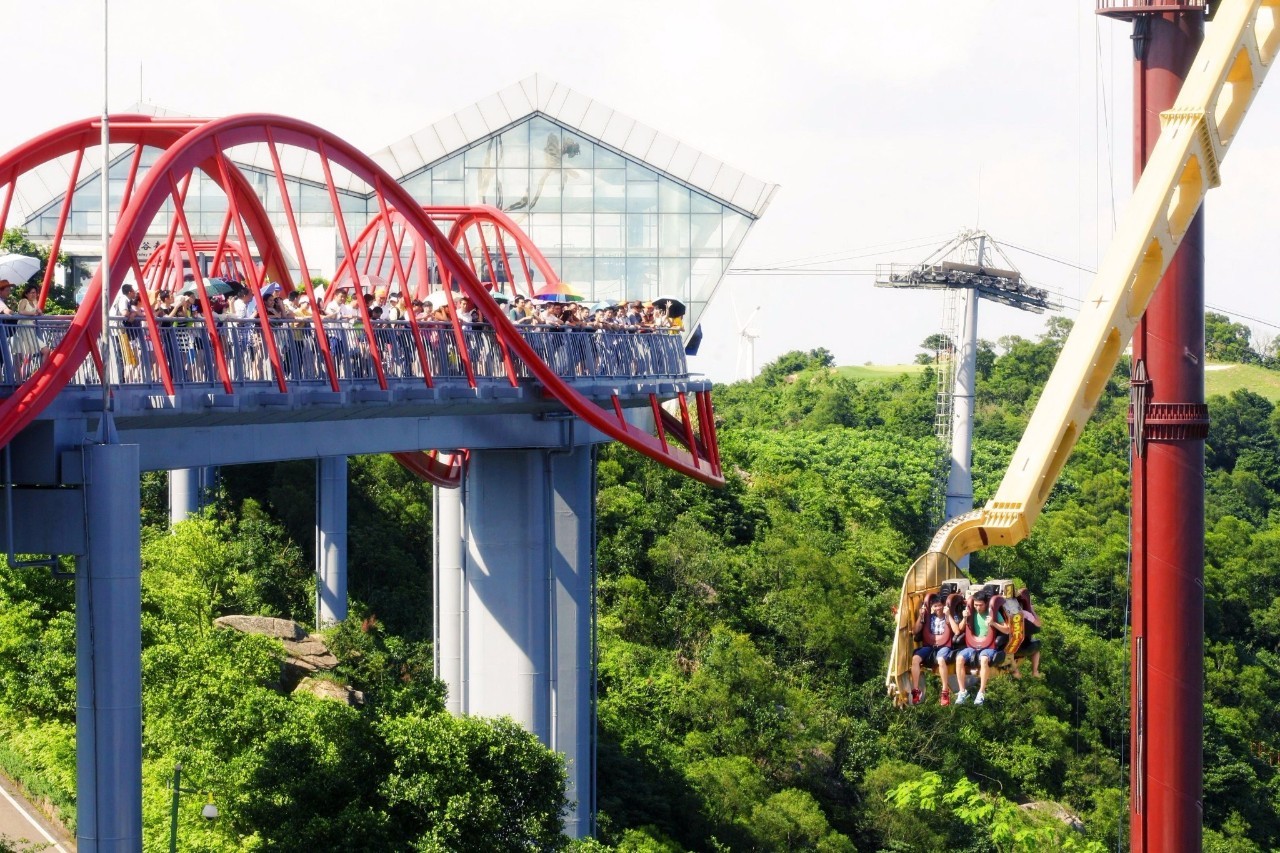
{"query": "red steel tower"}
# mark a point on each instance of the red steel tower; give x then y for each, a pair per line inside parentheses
(1170, 423)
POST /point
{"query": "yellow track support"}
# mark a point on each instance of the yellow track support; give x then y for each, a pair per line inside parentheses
(1239, 48)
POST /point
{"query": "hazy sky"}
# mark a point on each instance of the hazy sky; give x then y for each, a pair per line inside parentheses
(887, 125)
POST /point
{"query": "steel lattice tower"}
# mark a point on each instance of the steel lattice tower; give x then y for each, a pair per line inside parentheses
(965, 269)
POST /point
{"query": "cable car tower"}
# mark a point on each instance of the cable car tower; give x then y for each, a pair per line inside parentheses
(965, 271)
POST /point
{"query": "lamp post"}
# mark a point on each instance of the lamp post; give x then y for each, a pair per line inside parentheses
(209, 812)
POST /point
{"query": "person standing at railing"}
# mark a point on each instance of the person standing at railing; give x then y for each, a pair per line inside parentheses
(6, 327)
(466, 311)
(130, 318)
(606, 342)
(394, 312)
(302, 348)
(120, 305)
(337, 315)
(164, 308)
(400, 332)
(27, 345)
(379, 300)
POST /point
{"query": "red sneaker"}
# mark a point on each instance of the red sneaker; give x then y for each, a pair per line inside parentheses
(915, 697)
(946, 698)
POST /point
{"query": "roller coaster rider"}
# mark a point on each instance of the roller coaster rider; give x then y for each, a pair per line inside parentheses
(982, 620)
(936, 628)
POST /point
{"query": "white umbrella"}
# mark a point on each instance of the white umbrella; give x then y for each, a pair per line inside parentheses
(16, 269)
(439, 299)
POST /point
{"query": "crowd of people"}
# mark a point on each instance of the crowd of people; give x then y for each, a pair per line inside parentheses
(391, 306)
(237, 314)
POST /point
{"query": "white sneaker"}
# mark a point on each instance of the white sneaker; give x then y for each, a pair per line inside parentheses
(980, 698)
(962, 697)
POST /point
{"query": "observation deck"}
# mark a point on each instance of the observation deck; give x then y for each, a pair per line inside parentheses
(425, 397)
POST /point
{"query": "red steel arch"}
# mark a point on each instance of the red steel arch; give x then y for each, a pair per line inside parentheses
(192, 145)
(163, 270)
(141, 132)
(76, 139)
(493, 235)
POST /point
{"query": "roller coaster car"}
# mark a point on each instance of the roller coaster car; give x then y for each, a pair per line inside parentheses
(935, 575)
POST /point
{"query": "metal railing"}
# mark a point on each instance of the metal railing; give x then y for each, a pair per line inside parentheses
(185, 346)
(1126, 8)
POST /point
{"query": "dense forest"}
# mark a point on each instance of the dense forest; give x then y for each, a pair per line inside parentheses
(743, 635)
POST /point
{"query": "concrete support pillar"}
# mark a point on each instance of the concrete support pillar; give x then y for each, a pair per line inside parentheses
(188, 490)
(109, 655)
(529, 521)
(960, 477)
(331, 540)
(450, 598)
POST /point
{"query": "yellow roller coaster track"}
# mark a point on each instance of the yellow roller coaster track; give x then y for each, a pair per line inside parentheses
(1239, 48)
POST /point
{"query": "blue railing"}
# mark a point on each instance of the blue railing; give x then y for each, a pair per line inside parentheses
(185, 346)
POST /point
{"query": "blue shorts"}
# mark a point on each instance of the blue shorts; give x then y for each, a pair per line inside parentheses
(970, 656)
(930, 655)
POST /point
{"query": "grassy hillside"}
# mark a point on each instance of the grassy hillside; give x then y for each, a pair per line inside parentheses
(1225, 378)
(877, 371)
(1218, 378)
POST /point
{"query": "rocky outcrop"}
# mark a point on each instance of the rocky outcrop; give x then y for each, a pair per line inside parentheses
(1057, 811)
(268, 626)
(305, 655)
(325, 689)
(310, 654)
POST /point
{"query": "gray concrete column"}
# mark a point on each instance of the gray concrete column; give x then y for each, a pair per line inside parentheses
(450, 601)
(573, 662)
(109, 655)
(331, 540)
(506, 527)
(188, 492)
(960, 477)
(529, 524)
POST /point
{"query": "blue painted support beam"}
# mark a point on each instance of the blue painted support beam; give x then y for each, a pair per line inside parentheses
(331, 540)
(109, 655)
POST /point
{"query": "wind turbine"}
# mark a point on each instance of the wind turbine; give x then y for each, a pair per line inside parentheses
(748, 335)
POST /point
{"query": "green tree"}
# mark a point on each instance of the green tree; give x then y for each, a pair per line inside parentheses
(468, 784)
(1227, 341)
(16, 241)
(936, 347)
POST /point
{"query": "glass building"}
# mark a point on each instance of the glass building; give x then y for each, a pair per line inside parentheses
(620, 210)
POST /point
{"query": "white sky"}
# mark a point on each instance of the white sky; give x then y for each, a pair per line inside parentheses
(885, 123)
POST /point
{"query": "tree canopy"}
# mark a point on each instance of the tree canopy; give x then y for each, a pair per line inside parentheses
(742, 639)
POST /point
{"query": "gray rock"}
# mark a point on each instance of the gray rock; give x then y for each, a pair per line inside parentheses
(312, 652)
(284, 629)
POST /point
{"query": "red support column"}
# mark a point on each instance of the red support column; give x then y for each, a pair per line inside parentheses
(1170, 424)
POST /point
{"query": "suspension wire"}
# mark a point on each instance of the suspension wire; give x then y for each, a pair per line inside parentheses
(795, 272)
(1048, 257)
(807, 267)
(838, 254)
(1125, 658)
(1078, 301)
(1106, 124)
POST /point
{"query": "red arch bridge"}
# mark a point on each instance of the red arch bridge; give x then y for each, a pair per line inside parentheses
(502, 416)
